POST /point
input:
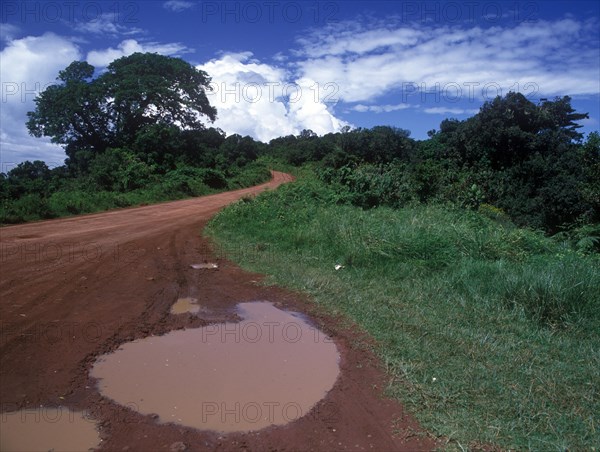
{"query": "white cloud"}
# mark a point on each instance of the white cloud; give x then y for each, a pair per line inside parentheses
(264, 101)
(380, 108)
(353, 37)
(29, 65)
(102, 58)
(550, 58)
(177, 5)
(8, 32)
(105, 24)
(452, 111)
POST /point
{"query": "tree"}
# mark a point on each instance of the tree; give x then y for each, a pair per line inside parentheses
(28, 177)
(238, 150)
(591, 164)
(509, 130)
(73, 112)
(525, 157)
(559, 115)
(148, 88)
(387, 143)
(119, 170)
(89, 115)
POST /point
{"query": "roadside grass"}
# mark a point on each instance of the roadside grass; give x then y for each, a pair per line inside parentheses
(489, 333)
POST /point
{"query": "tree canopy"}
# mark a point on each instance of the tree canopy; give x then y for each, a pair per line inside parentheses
(89, 115)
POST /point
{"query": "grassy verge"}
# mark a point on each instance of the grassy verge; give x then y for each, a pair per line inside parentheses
(490, 333)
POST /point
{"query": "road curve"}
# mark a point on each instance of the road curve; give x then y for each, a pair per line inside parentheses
(75, 288)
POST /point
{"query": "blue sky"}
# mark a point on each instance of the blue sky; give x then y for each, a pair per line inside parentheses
(282, 66)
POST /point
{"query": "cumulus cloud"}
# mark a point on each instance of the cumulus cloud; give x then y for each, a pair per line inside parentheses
(265, 101)
(102, 58)
(177, 5)
(542, 59)
(29, 65)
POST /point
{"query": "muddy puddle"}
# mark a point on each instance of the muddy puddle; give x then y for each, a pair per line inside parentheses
(44, 429)
(269, 369)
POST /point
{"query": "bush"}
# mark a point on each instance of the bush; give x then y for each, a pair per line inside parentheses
(65, 203)
(252, 174)
(29, 207)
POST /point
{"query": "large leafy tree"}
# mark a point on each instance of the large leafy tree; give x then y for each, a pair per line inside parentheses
(509, 130)
(89, 115)
(529, 154)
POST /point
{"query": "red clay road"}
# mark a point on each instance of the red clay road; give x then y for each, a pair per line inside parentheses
(75, 288)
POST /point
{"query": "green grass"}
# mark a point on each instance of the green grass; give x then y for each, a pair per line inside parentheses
(490, 333)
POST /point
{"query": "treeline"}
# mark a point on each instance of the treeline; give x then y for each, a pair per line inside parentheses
(165, 163)
(514, 160)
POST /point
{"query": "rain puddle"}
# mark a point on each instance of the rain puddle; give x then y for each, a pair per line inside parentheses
(45, 429)
(268, 369)
(184, 305)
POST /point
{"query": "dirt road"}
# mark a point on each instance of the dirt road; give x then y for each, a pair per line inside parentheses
(73, 289)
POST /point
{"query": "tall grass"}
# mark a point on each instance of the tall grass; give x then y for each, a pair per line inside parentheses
(490, 333)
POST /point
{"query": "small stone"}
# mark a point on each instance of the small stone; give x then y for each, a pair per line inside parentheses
(205, 265)
(179, 446)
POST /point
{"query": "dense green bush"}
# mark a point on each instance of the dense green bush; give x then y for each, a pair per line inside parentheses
(106, 188)
(29, 207)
